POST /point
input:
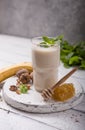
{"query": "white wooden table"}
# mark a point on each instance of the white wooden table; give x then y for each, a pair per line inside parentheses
(15, 50)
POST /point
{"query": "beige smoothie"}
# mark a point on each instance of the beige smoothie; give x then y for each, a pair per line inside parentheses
(45, 66)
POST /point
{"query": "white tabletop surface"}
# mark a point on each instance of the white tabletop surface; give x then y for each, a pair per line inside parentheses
(15, 50)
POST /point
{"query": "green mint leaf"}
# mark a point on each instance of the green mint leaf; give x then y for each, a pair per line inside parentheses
(82, 64)
(44, 44)
(74, 60)
(48, 40)
(60, 37)
(23, 88)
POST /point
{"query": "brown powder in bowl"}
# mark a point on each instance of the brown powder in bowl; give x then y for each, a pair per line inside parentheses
(64, 92)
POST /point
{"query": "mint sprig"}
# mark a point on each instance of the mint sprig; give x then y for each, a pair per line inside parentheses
(47, 42)
(73, 54)
(23, 88)
(50, 41)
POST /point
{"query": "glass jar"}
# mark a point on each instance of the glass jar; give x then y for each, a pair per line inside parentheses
(45, 61)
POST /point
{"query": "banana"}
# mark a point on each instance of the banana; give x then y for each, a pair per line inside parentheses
(11, 70)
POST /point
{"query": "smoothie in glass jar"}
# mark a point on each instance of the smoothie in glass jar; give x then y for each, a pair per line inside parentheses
(45, 60)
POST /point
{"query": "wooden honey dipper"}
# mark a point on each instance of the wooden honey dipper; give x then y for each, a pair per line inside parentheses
(47, 93)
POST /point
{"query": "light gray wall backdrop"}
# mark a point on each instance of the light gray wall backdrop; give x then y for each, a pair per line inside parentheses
(30, 18)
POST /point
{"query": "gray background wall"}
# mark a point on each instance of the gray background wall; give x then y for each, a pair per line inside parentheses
(30, 18)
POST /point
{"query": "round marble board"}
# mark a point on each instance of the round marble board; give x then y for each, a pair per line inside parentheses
(33, 101)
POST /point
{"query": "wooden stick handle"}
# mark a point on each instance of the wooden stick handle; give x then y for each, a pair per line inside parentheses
(62, 80)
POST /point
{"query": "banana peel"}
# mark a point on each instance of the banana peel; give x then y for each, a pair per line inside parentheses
(11, 70)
